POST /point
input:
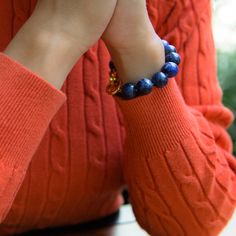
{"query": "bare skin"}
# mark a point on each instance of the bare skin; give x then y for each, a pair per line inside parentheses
(59, 32)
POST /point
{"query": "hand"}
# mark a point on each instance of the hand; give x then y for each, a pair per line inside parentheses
(132, 41)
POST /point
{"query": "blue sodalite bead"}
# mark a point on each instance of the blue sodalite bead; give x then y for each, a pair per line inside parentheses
(173, 57)
(128, 91)
(169, 48)
(170, 69)
(159, 79)
(144, 86)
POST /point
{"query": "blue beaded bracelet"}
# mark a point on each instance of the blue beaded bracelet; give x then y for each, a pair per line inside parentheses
(144, 86)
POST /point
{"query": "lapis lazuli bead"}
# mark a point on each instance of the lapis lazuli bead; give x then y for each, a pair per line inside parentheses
(165, 43)
(170, 69)
(128, 91)
(144, 86)
(159, 79)
(112, 65)
(173, 57)
(169, 48)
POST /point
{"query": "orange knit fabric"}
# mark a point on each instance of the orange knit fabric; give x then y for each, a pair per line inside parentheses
(63, 154)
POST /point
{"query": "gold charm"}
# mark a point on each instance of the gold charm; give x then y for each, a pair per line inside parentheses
(115, 84)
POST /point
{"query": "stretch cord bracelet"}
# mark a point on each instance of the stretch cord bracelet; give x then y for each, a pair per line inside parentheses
(144, 86)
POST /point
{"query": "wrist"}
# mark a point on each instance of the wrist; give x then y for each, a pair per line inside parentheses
(45, 52)
(141, 59)
(47, 37)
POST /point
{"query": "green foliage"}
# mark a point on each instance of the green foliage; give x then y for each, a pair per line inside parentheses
(227, 78)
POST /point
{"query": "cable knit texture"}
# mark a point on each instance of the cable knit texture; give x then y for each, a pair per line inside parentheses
(66, 154)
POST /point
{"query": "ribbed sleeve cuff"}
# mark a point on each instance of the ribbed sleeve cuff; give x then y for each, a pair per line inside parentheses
(27, 105)
(159, 119)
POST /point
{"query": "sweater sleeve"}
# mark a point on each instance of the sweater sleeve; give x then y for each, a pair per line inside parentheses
(178, 161)
(27, 105)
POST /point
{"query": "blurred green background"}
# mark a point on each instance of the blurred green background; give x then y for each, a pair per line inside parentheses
(224, 26)
(227, 78)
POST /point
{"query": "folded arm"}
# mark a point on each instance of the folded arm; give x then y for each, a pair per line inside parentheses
(178, 161)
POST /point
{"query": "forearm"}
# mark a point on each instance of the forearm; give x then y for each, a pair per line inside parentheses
(44, 52)
(27, 106)
(175, 172)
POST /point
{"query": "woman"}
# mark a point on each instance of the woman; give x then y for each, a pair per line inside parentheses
(63, 155)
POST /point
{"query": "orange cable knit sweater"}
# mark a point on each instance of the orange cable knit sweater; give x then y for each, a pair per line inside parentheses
(63, 159)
